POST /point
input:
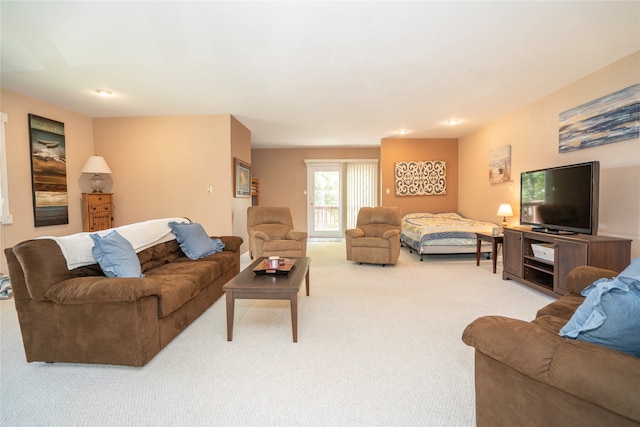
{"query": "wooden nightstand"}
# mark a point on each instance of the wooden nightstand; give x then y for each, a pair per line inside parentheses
(97, 211)
(495, 241)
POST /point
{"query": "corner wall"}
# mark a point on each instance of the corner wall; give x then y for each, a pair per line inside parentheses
(283, 175)
(241, 149)
(162, 167)
(79, 146)
(394, 150)
(533, 135)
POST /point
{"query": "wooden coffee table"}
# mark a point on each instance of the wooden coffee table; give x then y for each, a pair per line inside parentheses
(249, 285)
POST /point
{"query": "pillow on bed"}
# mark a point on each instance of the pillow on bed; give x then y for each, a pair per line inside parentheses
(450, 215)
(417, 215)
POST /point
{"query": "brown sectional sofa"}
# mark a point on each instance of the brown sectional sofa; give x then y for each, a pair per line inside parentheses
(81, 316)
(529, 375)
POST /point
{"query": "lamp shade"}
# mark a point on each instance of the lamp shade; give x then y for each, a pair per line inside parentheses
(505, 210)
(96, 164)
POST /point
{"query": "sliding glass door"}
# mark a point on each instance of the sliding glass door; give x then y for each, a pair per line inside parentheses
(324, 181)
(336, 190)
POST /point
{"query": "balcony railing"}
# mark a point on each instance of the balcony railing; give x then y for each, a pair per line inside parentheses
(327, 218)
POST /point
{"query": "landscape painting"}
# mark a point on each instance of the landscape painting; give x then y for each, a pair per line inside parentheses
(242, 179)
(500, 165)
(612, 118)
(48, 171)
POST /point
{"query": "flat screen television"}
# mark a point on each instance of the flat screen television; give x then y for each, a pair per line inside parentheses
(561, 200)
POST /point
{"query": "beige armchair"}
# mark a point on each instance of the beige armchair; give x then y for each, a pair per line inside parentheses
(376, 238)
(271, 233)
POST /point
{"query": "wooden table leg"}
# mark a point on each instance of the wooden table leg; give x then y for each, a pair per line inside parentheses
(494, 253)
(230, 307)
(294, 315)
(306, 278)
(478, 243)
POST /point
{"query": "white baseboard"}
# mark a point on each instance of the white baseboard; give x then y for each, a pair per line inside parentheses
(245, 260)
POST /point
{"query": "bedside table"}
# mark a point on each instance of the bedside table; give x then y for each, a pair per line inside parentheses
(495, 239)
(97, 211)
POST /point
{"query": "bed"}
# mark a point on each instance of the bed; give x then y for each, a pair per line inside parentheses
(443, 233)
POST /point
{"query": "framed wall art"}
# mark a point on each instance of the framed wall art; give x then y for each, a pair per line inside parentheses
(612, 118)
(48, 171)
(242, 178)
(421, 178)
(500, 165)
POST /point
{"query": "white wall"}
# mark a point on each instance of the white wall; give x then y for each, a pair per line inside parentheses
(533, 135)
(162, 167)
(79, 146)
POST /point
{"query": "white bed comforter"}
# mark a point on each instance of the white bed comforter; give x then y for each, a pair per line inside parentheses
(421, 229)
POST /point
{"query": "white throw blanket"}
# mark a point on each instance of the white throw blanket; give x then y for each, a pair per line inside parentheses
(76, 248)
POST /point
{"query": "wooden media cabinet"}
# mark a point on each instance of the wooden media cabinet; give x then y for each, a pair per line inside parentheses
(569, 251)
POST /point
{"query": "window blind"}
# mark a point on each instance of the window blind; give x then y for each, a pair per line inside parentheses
(362, 188)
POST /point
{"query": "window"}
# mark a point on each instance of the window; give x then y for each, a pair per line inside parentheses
(5, 214)
(353, 184)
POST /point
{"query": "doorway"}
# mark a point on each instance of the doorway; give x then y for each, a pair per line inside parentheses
(324, 212)
(336, 190)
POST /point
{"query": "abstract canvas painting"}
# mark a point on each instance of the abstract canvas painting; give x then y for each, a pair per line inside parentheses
(421, 178)
(48, 171)
(612, 118)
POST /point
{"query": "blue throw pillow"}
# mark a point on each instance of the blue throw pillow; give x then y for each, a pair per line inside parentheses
(610, 313)
(115, 255)
(194, 241)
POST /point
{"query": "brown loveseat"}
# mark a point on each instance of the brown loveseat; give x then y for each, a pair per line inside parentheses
(81, 316)
(529, 375)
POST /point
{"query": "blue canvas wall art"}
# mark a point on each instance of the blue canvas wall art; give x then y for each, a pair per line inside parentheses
(612, 118)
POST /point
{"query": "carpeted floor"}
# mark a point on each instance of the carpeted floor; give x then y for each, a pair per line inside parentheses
(376, 346)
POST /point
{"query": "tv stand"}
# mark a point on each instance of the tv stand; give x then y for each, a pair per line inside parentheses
(569, 251)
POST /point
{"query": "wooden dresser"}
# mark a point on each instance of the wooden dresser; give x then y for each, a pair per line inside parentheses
(97, 211)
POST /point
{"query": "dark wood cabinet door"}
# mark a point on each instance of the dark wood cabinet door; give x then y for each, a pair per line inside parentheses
(512, 254)
(568, 255)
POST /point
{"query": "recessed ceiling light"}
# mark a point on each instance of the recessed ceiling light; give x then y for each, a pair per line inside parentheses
(402, 131)
(104, 92)
(453, 122)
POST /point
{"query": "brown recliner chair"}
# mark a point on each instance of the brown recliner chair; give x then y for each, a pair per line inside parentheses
(271, 233)
(376, 238)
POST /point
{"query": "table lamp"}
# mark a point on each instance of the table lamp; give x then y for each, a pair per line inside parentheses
(96, 165)
(504, 211)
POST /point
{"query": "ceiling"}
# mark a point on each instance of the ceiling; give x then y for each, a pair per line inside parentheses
(311, 73)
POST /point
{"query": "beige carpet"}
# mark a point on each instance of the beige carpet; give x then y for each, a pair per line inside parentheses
(376, 346)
